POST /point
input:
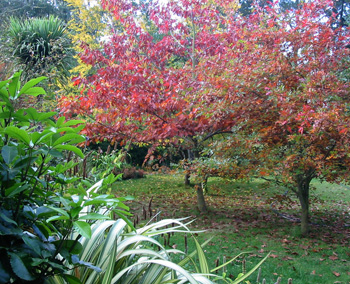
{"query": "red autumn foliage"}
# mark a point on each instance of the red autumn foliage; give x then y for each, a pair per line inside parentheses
(191, 69)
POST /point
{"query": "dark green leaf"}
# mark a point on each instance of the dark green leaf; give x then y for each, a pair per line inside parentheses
(67, 130)
(7, 219)
(15, 189)
(75, 211)
(19, 267)
(32, 243)
(122, 216)
(55, 153)
(4, 275)
(9, 153)
(41, 230)
(71, 279)
(24, 162)
(32, 113)
(45, 115)
(71, 246)
(39, 137)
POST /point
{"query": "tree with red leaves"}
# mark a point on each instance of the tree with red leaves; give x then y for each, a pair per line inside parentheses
(186, 70)
(282, 79)
(146, 78)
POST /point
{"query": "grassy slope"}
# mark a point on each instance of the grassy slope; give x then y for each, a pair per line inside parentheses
(241, 219)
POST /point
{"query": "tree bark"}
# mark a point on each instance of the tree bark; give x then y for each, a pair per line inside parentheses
(200, 200)
(187, 179)
(305, 218)
(303, 196)
(192, 154)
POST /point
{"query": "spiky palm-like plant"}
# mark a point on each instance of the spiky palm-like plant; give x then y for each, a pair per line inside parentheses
(41, 46)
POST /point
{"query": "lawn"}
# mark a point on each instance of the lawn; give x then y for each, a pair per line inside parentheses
(241, 219)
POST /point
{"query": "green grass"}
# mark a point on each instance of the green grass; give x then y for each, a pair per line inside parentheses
(241, 219)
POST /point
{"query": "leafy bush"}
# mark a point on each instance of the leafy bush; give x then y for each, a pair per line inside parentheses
(101, 164)
(43, 213)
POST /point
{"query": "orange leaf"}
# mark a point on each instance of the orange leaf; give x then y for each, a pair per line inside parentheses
(336, 273)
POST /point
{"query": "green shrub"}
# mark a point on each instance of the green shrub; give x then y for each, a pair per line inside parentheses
(43, 213)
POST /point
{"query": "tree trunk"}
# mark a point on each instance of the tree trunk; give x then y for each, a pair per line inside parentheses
(303, 196)
(200, 195)
(187, 179)
(200, 200)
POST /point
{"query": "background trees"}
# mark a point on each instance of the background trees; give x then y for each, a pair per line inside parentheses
(283, 84)
(35, 8)
(272, 79)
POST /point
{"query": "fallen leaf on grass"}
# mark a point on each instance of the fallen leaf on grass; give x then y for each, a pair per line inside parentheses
(336, 273)
(273, 255)
(333, 257)
(287, 258)
(313, 272)
(285, 241)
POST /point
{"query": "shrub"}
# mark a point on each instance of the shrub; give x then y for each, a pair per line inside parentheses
(43, 213)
